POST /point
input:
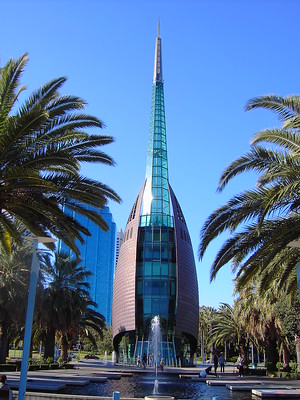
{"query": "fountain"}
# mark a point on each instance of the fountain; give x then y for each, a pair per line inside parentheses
(105, 358)
(155, 343)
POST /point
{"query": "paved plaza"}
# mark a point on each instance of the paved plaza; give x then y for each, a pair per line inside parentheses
(45, 384)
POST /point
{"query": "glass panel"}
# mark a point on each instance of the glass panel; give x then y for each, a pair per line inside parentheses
(155, 287)
(147, 305)
(164, 287)
(156, 268)
(172, 269)
(156, 235)
(164, 307)
(164, 252)
(141, 235)
(139, 270)
(148, 251)
(148, 268)
(139, 286)
(140, 253)
(172, 288)
(156, 252)
(172, 256)
(171, 235)
(147, 288)
(164, 235)
(155, 306)
(148, 235)
(164, 268)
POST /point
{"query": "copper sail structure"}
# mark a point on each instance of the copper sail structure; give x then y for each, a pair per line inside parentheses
(156, 272)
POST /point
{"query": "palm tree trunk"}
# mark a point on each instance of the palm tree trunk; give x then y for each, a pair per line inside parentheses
(3, 342)
(286, 356)
(272, 354)
(64, 348)
(244, 350)
(49, 344)
(297, 338)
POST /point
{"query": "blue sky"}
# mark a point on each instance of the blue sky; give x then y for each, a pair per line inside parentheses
(216, 56)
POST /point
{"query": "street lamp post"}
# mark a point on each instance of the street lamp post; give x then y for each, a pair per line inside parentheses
(34, 273)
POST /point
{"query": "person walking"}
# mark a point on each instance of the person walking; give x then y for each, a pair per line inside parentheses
(240, 365)
(215, 361)
(144, 360)
(161, 364)
(222, 362)
(4, 387)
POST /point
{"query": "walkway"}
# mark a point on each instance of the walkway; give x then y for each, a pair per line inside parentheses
(49, 382)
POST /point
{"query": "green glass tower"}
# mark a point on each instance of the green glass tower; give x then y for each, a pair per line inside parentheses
(156, 274)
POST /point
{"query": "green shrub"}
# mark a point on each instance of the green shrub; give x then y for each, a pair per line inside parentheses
(279, 365)
(294, 367)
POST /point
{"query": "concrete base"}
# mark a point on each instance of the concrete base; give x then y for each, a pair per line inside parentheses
(158, 397)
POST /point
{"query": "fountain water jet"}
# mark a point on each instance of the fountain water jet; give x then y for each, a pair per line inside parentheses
(155, 344)
(155, 341)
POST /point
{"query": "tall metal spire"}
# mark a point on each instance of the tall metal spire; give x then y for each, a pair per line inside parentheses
(156, 196)
(157, 75)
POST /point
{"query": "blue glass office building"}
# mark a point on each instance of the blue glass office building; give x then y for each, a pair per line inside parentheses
(98, 255)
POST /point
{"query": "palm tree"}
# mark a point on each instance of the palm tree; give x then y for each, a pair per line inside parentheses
(42, 146)
(206, 316)
(14, 278)
(65, 304)
(263, 221)
(261, 322)
(91, 326)
(228, 326)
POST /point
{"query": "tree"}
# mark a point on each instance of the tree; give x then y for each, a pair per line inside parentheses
(289, 314)
(14, 278)
(107, 341)
(92, 323)
(42, 146)
(259, 320)
(262, 222)
(228, 326)
(206, 316)
(65, 303)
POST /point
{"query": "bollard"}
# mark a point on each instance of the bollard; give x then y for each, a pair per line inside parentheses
(116, 395)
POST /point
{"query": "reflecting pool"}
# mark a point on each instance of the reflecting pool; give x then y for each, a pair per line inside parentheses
(138, 386)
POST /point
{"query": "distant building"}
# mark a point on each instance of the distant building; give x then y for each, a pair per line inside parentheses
(120, 235)
(98, 255)
(156, 272)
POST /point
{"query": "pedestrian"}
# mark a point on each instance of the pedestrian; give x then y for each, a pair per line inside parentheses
(161, 364)
(215, 361)
(240, 365)
(222, 362)
(144, 360)
(151, 360)
(4, 386)
(138, 361)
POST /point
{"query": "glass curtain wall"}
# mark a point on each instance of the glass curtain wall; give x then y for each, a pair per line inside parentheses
(156, 254)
